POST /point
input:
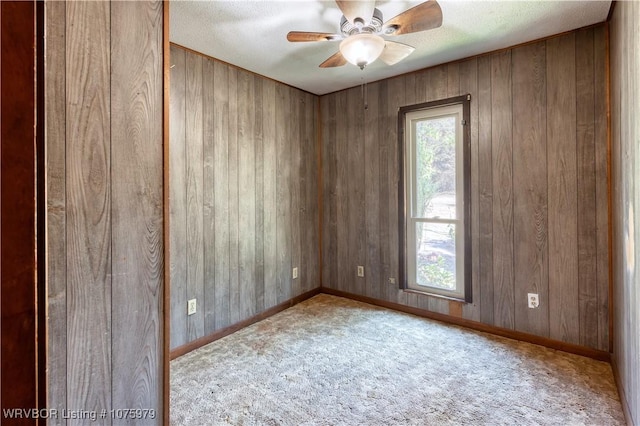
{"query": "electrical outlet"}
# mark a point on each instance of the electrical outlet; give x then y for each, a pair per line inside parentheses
(295, 273)
(361, 271)
(534, 302)
(392, 280)
(191, 307)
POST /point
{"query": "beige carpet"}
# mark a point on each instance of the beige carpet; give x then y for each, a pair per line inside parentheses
(333, 361)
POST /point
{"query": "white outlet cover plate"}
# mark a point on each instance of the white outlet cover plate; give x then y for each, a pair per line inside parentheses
(191, 307)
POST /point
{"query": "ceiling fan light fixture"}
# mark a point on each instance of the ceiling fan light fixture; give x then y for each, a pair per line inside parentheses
(362, 49)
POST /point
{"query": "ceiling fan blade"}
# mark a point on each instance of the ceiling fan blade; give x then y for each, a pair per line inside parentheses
(395, 52)
(424, 16)
(352, 9)
(336, 60)
(304, 36)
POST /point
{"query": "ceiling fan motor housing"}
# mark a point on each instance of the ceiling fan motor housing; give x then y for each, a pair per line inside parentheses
(373, 27)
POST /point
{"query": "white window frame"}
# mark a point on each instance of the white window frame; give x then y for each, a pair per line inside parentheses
(410, 116)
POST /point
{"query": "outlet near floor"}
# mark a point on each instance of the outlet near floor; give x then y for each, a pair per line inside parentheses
(191, 307)
(361, 271)
(534, 302)
(295, 273)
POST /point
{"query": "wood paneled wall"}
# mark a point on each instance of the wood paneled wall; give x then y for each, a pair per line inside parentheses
(538, 181)
(104, 165)
(243, 194)
(625, 132)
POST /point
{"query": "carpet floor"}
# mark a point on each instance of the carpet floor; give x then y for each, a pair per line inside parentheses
(334, 361)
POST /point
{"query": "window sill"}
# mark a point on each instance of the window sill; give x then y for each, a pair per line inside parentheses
(438, 296)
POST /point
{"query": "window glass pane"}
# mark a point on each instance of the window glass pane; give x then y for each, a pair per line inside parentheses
(435, 168)
(436, 255)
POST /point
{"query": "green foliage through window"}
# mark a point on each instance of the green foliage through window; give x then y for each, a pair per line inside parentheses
(435, 157)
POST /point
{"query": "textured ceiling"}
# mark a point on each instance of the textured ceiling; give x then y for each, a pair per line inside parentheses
(252, 34)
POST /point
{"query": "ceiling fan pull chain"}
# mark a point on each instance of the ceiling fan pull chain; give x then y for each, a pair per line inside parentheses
(364, 94)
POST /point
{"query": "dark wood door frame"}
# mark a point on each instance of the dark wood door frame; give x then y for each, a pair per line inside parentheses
(21, 183)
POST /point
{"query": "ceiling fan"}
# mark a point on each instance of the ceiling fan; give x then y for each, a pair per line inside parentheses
(362, 28)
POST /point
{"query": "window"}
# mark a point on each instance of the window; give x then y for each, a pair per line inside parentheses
(435, 227)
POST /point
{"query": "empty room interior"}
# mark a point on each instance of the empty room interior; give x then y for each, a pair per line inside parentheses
(335, 212)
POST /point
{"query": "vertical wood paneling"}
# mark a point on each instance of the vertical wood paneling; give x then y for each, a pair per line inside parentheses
(294, 182)
(309, 214)
(104, 173)
(385, 145)
(329, 192)
(55, 135)
(222, 292)
(601, 135)
(564, 214)
(246, 195)
(310, 223)
(283, 191)
(178, 204)
(469, 85)
(438, 83)
(625, 133)
(345, 270)
(208, 195)
(485, 189)
(259, 193)
(395, 99)
(620, 162)
(422, 84)
(413, 94)
(502, 171)
(137, 222)
(373, 277)
(415, 91)
(303, 192)
(88, 124)
(453, 79)
(531, 268)
(586, 187)
(270, 192)
(255, 191)
(356, 170)
(194, 195)
(233, 170)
